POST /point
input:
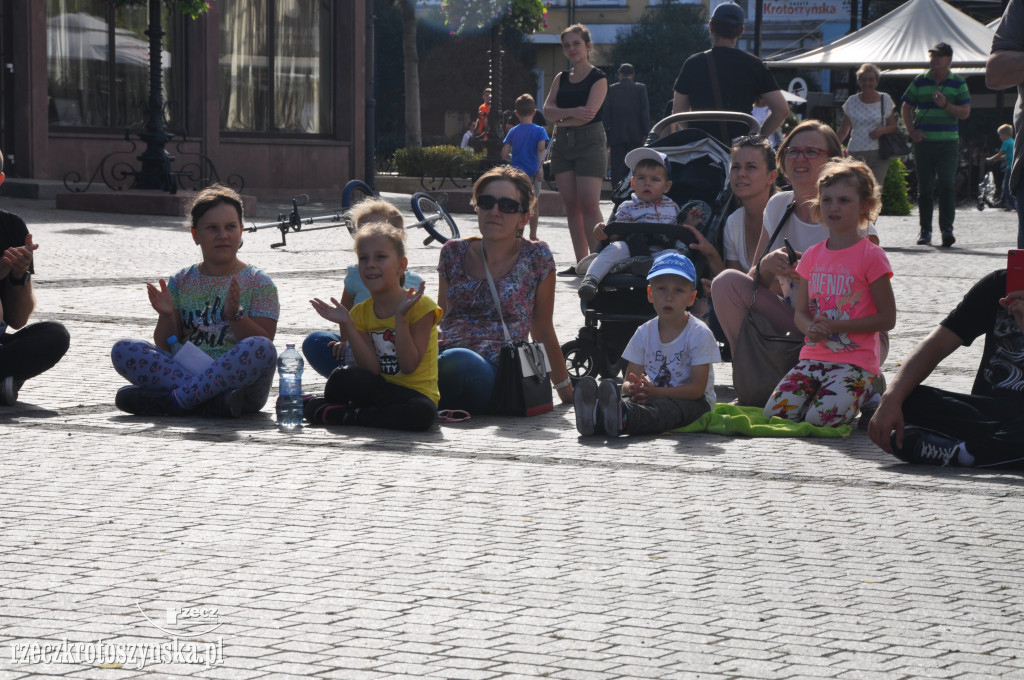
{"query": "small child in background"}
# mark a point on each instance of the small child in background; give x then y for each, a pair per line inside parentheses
(650, 181)
(844, 301)
(670, 379)
(1005, 153)
(525, 145)
(393, 335)
(325, 351)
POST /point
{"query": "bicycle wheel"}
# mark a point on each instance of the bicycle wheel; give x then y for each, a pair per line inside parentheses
(355, 191)
(440, 230)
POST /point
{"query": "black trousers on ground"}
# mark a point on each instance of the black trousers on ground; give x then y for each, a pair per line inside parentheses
(380, 403)
(618, 162)
(34, 349)
(663, 414)
(992, 429)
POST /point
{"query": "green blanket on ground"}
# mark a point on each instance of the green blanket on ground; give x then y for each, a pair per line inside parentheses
(750, 421)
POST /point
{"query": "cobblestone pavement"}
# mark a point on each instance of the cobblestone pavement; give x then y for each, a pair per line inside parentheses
(491, 548)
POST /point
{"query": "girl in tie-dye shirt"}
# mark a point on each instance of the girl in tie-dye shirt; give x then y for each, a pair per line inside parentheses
(226, 308)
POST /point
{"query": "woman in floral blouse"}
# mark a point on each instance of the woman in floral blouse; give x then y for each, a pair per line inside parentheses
(524, 274)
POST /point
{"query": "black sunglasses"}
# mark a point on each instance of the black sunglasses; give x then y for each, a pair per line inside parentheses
(750, 140)
(505, 205)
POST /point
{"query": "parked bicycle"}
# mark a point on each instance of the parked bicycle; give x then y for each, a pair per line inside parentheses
(432, 216)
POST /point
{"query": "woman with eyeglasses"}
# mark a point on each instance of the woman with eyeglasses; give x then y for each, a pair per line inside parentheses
(801, 156)
(524, 275)
(867, 116)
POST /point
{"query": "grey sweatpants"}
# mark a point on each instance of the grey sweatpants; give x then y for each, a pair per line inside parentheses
(662, 414)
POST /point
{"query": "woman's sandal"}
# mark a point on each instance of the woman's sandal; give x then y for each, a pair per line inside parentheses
(452, 416)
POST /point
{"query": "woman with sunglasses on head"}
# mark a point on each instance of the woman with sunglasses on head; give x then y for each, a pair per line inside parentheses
(524, 275)
(801, 156)
(867, 116)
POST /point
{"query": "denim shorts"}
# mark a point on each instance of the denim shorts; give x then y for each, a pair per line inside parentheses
(581, 150)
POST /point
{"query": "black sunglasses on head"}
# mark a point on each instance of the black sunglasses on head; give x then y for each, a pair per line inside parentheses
(750, 140)
(505, 205)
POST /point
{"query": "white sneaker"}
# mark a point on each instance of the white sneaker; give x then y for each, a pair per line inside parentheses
(610, 404)
(584, 401)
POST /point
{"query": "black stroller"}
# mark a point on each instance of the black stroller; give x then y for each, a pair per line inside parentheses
(700, 170)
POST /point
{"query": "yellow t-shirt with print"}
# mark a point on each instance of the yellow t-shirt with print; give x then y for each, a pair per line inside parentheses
(382, 335)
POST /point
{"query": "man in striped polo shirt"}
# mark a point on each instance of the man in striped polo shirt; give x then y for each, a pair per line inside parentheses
(932, 105)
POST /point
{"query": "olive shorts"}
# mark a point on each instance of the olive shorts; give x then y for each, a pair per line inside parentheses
(582, 150)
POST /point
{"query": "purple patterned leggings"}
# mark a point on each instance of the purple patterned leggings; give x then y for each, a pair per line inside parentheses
(248, 366)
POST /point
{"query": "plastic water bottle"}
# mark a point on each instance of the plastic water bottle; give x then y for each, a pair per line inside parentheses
(289, 402)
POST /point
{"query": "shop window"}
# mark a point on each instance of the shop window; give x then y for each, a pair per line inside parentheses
(276, 61)
(98, 64)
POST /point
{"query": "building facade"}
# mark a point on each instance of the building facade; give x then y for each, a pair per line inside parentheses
(271, 90)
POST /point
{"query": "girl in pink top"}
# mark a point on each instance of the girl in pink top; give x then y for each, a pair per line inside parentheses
(844, 301)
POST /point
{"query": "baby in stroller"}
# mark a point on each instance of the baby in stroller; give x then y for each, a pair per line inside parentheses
(698, 169)
(650, 180)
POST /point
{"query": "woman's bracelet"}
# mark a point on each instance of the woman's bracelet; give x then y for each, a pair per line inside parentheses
(564, 383)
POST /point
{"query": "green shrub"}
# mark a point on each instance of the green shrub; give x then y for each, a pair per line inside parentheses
(894, 190)
(434, 160)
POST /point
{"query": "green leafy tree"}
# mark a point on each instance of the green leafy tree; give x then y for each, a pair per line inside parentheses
(659, 43)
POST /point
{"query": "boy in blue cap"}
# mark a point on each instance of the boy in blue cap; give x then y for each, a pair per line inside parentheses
(670, 379)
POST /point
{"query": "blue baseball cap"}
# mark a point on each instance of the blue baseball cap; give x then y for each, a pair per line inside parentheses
(673, 263)
(728, 13)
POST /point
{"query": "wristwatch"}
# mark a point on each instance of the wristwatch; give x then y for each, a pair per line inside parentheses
(25, 278)
(239, 314)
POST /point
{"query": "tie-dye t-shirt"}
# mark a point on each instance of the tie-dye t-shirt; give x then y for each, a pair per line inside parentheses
(199, 299)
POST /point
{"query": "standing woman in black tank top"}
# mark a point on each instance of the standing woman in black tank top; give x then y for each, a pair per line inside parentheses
(579, 155)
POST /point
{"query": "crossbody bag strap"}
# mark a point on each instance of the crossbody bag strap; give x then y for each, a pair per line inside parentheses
(768, 248)
(494, 294)
(716, 89)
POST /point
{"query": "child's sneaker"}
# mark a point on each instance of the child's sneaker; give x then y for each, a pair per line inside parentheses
(867, 410)
(588, 288)
(319, 411)
(925, 447)
(584, 401)
(609, 403)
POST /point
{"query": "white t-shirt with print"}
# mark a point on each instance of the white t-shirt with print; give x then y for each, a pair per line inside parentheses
(669, 364)
(864, 118)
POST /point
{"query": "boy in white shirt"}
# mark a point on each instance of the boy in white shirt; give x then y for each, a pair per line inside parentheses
(670, 379)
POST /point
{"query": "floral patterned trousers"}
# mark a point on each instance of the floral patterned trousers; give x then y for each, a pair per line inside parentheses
(821, 393)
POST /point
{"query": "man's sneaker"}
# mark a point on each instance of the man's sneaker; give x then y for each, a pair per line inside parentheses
(925, 447)
(925, 239)
(227, 404)
(146, 401)
(609, 404)
(588, 288)
(948, 240)
(584, 402)
(9, 391)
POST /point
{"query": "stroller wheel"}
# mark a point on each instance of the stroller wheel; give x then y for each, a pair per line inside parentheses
(582, 359)
(981, 206)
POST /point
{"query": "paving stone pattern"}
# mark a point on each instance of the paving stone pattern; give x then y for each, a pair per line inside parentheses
(494, 548)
